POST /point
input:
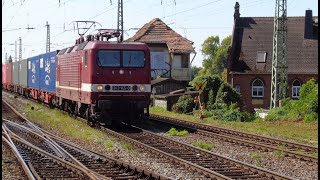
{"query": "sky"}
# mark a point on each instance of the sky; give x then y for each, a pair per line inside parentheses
(195, 20)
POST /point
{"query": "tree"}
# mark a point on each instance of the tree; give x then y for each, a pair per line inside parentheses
(215, 54)
(194, 71)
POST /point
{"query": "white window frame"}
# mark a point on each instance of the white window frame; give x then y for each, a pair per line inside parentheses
(296, 89)
(257, 89)
(264, 56)
(237, 88)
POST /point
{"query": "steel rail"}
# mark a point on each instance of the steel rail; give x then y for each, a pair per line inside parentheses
(66, 155)
(54, 158)
(46, 134)
(261, 141)
(209, 153)
(194, 167)
(16, 153)
(91, 153)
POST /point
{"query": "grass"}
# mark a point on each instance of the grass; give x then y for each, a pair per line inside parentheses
(278, 154)
(296, 131)
(203, 145)
(256, 156)
(315, 154)
(174, 132)
(63, 123)
(258, 164)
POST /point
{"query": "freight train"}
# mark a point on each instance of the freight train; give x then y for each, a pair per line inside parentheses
(101, 81)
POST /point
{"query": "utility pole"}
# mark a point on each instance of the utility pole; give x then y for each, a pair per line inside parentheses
(15, 51)
(279, 80)
(120, 20)
(20, 49)
(48, 37)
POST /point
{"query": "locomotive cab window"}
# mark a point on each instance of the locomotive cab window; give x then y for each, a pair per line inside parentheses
(107, 58)
(116, 58)
(133, 59)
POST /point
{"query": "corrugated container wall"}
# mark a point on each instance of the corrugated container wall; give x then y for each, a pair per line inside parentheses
(9, 73)
(33, 72)
(4, 77)
(15, 73)
(23, 72)
(47, 78)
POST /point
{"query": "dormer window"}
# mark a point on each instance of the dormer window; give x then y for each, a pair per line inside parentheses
(261, 56)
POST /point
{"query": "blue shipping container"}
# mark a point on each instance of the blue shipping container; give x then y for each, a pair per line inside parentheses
(33, 72)
(48, 71)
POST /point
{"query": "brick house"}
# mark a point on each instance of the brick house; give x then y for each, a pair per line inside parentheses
(250, 56)
(170, 52)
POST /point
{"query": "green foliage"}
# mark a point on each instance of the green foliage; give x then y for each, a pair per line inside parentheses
(203, 145)
(213, 83)
(256, 156)
(195, 71)
(279, 154)
(175, 132)
(228, 113)
(215, 55)
(311, 117)
(185, 104)
(211, 100)
(227, 95)
(127, 146)
(305, 108)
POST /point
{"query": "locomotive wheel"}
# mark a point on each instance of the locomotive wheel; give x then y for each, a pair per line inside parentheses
(88, 118)
(76, 112)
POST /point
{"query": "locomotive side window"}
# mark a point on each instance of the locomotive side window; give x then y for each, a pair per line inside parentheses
(106, 58)
(85, 58)
(133, 59)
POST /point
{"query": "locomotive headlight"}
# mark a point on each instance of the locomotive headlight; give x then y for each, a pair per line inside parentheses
(142, 88)
(99, 87)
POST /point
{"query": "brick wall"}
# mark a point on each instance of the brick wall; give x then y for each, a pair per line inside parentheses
(245, 82)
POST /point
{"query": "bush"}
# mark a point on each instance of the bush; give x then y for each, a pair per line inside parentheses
(305, 108)
(227, 95)
(229, 113)
(213, 84)
(312, 117)
(185, 104)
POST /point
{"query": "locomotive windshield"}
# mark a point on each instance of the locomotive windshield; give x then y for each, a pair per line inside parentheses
(108, 58)
(114, 58)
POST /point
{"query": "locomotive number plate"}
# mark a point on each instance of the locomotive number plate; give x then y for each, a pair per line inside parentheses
(121, 88)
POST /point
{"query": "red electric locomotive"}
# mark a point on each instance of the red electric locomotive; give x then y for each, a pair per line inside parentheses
(103, 80)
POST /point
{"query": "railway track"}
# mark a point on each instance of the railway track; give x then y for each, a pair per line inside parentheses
(290, 149)
(39, 164)
(96, 165)
(210, 164)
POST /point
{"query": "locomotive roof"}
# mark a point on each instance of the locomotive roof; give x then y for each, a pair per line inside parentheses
(90, 44)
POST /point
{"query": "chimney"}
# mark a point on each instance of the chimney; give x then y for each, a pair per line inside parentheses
(236, 14)
(308, 25)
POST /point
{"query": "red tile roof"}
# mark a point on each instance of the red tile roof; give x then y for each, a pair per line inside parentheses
(157, 32)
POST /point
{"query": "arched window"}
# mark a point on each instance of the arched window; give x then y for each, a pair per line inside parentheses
(257, 88)
(296, 85)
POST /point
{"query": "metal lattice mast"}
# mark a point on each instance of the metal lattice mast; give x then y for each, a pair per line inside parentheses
(120, 20)
(15, 51)
(20, 49)
(279, 81)
(48, 38)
